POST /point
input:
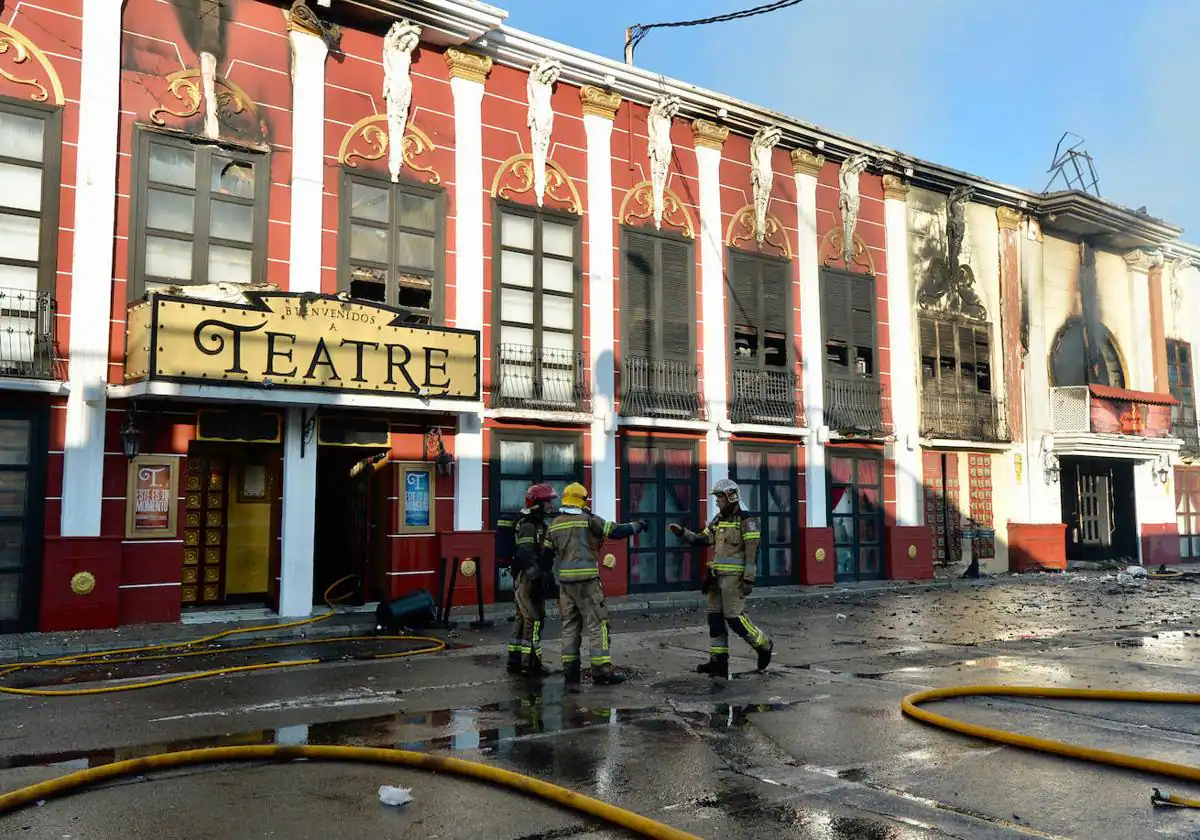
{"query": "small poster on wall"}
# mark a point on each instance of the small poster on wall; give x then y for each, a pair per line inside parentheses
(152, 497)
(416, 493)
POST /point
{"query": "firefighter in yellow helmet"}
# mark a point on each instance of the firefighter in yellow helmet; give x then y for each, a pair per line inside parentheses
(734, 536)
(576, 535)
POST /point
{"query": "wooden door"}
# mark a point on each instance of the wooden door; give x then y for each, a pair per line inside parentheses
(206, 489)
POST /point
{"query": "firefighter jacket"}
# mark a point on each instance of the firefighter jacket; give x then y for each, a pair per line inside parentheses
(735, 544)
(575, 536)
(530, 541)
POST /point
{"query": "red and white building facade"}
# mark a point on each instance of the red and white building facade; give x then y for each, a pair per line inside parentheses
(248, 250)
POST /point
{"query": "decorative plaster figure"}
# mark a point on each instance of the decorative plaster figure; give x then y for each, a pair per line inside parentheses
(848, 201)
(398, 46)
(762, 174)
(658, 127)
(538, 90)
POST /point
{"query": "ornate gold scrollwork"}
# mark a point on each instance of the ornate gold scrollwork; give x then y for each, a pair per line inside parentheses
(741, 229)
(831, 252)
(374, 133)
(185, 86)
(22, 49)
(558, 183)
(675, 213)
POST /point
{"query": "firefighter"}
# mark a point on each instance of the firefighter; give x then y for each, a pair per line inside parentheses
(529, 581)
(576, 535)
(730, 578)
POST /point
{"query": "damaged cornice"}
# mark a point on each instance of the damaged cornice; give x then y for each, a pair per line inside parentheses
(448, 23)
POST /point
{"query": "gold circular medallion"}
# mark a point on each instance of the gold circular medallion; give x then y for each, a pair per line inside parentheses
(609, 561)
(912, 551)
(819, 554)
(83, 583)
(468, 568)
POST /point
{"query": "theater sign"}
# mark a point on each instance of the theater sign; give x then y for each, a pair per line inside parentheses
(301, 341)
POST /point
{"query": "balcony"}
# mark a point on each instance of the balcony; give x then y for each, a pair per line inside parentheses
(26, 334)
(854, 406)
(951, 416)
(539, 379)
(657, 388)
(766, 397)
(1183, 426)
(1100, 409)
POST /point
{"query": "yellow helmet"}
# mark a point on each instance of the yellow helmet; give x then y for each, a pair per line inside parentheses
(574, 495)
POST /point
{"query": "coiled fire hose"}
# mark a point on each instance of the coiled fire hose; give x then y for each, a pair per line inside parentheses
(911, 706)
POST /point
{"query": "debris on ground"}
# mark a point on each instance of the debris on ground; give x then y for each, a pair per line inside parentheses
(396, 796)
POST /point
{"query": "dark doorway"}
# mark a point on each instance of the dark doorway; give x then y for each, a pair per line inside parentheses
(856, 513)
(351, 528)
(22, 512)
(662, 485)
(1099, 509)
(943, 509)
(766, 476)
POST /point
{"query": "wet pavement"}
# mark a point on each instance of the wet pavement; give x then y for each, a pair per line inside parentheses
(815, 747)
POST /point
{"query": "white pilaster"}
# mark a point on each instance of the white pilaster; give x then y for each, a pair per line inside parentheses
(298, 529)
(602, 356)
(468, 72)
(806, 166)
(92, 267)
(1041, 501)
(712, 313)
(905, 404)
(309, 52)
(1143, 354)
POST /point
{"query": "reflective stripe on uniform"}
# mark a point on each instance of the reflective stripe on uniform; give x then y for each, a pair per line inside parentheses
(752, 535)
(604, 635)
(601, 660)
(590, 571)
(718, 650)
(757, 637)
(565, 526)
(567, 658)
(608, 526)
(723, 566)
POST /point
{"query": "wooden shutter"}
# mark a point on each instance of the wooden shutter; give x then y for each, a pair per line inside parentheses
(835, 317)
(637, 315)
(983, 359)
(676, 294)
(862, 311)
(743, 290)
(776, 314)
(927, 332)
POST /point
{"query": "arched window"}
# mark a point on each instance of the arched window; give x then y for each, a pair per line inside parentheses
(1068, 358)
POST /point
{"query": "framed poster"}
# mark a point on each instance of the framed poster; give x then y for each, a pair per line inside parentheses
(152, 497)
(416, 492)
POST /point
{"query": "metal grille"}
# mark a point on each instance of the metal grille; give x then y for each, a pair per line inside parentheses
(1070, 409)
(656, 388)
(539, 378)
(26, 333)
(854, 405)
(767, 397)
(963, 416)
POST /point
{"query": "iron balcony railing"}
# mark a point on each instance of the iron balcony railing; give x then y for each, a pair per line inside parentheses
(955, 416)
(26, 333)
(1183, 426)
(658, 388)
(764, 396)
(854, 406)
(539, 378)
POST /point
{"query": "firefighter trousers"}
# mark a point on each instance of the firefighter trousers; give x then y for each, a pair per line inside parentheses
(581, 605)
(531, 618)
(727, 608)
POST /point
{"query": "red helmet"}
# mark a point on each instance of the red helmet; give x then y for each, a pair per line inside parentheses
(539, 493)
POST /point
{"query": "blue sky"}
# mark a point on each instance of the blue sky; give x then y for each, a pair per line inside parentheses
(987, 86)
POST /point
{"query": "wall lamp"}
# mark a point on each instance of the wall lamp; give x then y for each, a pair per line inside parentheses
(1162, 470)
(131, 435)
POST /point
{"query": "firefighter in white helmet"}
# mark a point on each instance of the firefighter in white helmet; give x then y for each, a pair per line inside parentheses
(734, 536)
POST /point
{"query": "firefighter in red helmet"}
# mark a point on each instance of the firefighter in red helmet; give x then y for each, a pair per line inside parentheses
(529, 581)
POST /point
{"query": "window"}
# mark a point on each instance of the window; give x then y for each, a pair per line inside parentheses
(955, 357)
(29, 169)
(848, 321)
(537, 279)
(662, 485)
(1069, 358)
(1187, 512)
(766, 477)
(521, 460)
(199, 214)
(22, 504)
(1179, 376)
(760, 312)
(393, 244)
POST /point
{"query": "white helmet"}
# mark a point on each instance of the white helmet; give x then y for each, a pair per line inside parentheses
(728, 487)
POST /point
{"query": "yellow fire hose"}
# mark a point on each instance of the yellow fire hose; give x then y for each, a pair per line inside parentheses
(911, 706)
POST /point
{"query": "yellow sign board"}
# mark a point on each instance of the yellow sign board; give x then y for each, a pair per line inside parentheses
(290, 340)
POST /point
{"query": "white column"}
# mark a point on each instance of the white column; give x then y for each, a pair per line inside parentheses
(599, 110)
(298, 528)
(1140, 263)
(309, 52)
(905, 405)
(1042, 500)
(468, 72)
(92, 268)
(710, 139)
(806, 167)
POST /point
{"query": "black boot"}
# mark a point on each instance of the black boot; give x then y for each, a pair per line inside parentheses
(716, 666)
(604, 675)
(514, 662)
(571, 676)
(535, 668)
(764, 656)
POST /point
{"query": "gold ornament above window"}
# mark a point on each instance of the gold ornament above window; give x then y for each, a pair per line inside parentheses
(367, 140)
